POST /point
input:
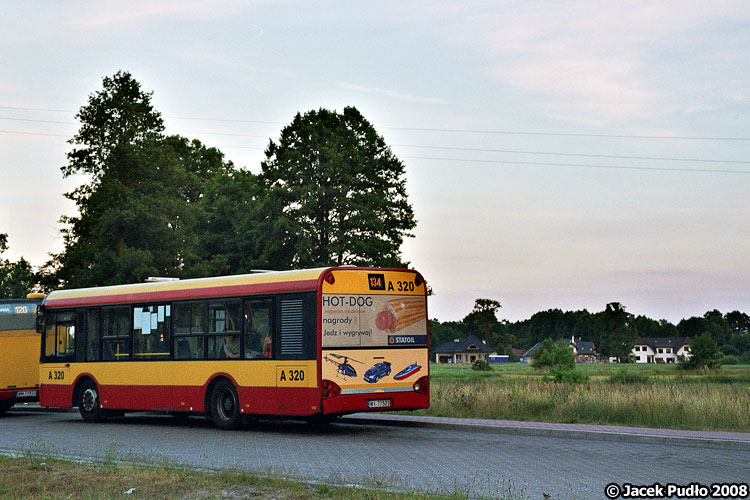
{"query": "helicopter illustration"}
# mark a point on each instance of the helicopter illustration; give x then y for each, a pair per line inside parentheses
(343, 367)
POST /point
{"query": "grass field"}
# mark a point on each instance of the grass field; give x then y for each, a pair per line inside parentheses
(38, 477)
(634, 395)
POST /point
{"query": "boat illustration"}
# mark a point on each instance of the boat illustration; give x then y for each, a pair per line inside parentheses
(407, 372)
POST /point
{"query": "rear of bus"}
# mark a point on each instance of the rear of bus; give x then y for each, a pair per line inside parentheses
(374, 352)
(19, 351)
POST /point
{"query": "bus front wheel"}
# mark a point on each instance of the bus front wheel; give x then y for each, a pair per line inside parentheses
(225, 406)
(88, 402)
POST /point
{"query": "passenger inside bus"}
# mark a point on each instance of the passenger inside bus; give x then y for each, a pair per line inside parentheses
(257, 329)
(267, 344)
(232, 346)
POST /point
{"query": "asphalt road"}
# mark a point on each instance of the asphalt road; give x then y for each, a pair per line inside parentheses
(479, 462)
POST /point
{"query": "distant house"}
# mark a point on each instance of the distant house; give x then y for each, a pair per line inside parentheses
(459, 351)
(661, 350)
(584, 351)
(517, 352)
(528, 356)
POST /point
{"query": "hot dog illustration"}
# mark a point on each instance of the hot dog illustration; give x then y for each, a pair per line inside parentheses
(400, 313)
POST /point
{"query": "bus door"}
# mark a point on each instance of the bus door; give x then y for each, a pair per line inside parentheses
(59, 347)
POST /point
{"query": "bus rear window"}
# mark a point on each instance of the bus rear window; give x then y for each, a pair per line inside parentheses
(17, 316)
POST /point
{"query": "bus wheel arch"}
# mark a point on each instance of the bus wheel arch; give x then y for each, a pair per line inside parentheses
(223, 404)
(86, 398)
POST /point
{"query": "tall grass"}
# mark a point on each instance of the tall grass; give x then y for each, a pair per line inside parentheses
(710, 401)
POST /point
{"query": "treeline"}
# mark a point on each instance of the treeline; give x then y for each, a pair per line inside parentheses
(613, 330)
(329, 192)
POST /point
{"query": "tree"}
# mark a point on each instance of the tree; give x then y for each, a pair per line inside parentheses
(17, 279)
(444, 332)
(227, 227)
(739, 322)
(483, 320)
(704, 353)
(338, 193)
(137, 213)
(718, 326)
(543, 356)
(692, 327)
(618, 334)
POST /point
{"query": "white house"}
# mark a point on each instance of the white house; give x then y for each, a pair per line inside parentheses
(661, 350)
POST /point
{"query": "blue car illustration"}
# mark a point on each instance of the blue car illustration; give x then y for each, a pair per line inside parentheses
(378, 371)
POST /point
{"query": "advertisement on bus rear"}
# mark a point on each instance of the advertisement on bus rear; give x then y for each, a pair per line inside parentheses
(374, 331)
(373, 321)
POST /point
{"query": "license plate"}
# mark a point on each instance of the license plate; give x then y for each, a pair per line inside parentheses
(379, 403)
(25, 394)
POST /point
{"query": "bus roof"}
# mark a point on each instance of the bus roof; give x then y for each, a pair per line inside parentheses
(243, 284)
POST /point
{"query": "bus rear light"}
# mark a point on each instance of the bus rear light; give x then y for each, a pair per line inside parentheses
(418, 279)
(330, 279)
(330, 389)
(422, 385)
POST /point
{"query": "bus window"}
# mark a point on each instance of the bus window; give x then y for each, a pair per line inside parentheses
(258, 332)
(59, 337)
(116, 333)
(224, 329)
(189, 331)
(151, 331)
(93, 335)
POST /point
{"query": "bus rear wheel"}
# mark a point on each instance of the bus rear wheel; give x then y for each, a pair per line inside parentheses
(225, 406)
(5, 406)
(88, 402)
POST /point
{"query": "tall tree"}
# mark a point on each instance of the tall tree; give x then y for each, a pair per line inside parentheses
(338, 193)
(739, 322)
(136, 213)
(618, 333)
(483, 320)
(16, 278)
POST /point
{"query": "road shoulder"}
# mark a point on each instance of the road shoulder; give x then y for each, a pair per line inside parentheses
(711, 439)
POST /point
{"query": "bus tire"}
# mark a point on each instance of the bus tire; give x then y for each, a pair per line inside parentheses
(320, 421)
(88, 402)
(225, 406)
(5, 406)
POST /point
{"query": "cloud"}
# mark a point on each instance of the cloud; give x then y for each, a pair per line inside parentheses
(86, 20)
(601, 62)
(394, 94)
(104, 16)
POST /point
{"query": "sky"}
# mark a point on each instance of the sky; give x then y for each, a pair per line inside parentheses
(559, 154)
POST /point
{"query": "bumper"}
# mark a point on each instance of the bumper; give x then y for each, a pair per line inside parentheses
(351, 403)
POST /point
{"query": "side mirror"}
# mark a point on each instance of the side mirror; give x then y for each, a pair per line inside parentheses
(40, 323)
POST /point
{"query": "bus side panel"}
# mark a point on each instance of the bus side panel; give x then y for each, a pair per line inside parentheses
(258, 400)
(142, 397)
(253, 400)
(57, 396)
(288, 387)
(299, 401)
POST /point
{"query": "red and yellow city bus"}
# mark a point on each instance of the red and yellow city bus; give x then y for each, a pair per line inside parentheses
(310, 343)
(19, 351)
